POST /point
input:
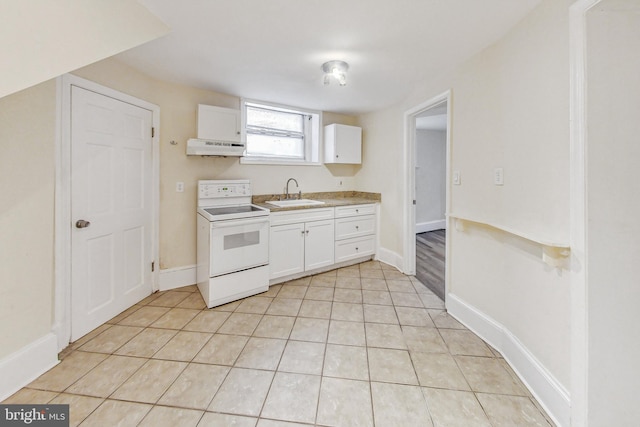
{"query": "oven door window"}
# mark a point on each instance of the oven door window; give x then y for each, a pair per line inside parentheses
(239, 240)
(239, 244)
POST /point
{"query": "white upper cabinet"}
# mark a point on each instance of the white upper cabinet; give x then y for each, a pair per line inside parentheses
(342, 144)
(219, 124)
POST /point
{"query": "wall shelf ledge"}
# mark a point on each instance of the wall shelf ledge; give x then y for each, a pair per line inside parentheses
(554, 252)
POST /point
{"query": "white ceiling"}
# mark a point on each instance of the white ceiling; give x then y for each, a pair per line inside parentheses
(273, 50)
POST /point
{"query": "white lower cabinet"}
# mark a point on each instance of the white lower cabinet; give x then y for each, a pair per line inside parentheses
(286, 250)
(355, 232)
(318, 244)
(301, 241)
(311, 239)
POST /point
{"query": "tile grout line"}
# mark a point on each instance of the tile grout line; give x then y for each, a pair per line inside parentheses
(430, 313)
(373, 411)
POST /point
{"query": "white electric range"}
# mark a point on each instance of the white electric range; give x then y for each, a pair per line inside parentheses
(232, 242)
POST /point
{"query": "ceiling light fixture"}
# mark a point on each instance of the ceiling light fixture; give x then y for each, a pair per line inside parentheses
(337, 70)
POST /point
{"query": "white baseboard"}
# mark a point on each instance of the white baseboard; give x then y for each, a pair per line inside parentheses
(25, 365)
(389, 257)
(178, 277)
(423, 227)
(552, 395)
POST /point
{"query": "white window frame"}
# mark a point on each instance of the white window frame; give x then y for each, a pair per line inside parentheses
(313, 135)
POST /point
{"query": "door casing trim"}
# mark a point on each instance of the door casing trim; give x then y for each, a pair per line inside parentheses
(63, 221)
(578, 185)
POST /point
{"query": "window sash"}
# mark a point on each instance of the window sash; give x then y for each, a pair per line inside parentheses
(290, 148)
(282, 137)
(259, 127)
(259, 130)
(263, 116)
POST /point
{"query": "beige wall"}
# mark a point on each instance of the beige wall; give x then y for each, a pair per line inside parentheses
(66, 34)
(178, 105)
(510, 109)
(27, 176)
(514, 101)
(613, 230)
(382, 171)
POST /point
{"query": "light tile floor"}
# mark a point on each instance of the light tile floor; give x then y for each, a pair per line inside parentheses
(358, 346)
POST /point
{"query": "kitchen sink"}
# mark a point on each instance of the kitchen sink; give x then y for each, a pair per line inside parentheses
(294, 203)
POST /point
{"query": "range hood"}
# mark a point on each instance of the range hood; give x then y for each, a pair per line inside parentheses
(218, 133)
(210, 147)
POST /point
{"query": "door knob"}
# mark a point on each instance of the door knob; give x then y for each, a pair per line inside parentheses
(81, 223)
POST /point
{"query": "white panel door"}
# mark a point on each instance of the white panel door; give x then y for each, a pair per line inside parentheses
(111, 171)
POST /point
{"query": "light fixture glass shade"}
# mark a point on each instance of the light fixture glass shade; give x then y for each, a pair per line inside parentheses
(337, 70)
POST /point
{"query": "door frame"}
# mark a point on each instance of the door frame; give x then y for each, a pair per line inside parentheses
(578, 211)
(409, 214)
(63, 221)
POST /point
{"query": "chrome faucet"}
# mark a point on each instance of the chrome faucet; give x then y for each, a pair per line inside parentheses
(286, 189)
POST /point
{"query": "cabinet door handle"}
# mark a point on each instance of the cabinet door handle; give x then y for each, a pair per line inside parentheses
(357, 210)
(357, 227)
(307, 232)
(356, 248)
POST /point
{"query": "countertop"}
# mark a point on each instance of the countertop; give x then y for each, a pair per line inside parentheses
(330, 199)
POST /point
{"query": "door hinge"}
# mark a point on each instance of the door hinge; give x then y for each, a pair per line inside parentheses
(153, 266)
(153, 132)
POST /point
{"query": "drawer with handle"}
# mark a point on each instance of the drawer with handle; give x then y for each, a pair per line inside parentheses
(355, 210)
(354, 248)
(355, 226)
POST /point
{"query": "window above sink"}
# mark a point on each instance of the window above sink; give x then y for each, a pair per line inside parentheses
(280, 135)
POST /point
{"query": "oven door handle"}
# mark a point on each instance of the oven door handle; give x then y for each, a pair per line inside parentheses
(237, 222)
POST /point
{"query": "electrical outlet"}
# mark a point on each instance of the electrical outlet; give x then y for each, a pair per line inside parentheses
(498, 176)
(179, 187)
(456, 178)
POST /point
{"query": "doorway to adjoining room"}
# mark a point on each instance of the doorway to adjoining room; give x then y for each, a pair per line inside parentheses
(430, 191)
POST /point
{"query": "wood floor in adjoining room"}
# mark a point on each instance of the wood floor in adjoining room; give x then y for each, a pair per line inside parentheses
(430, 253)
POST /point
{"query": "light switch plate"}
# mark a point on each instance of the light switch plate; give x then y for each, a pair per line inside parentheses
(498, 176)
(456, 178)
(179, 187)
